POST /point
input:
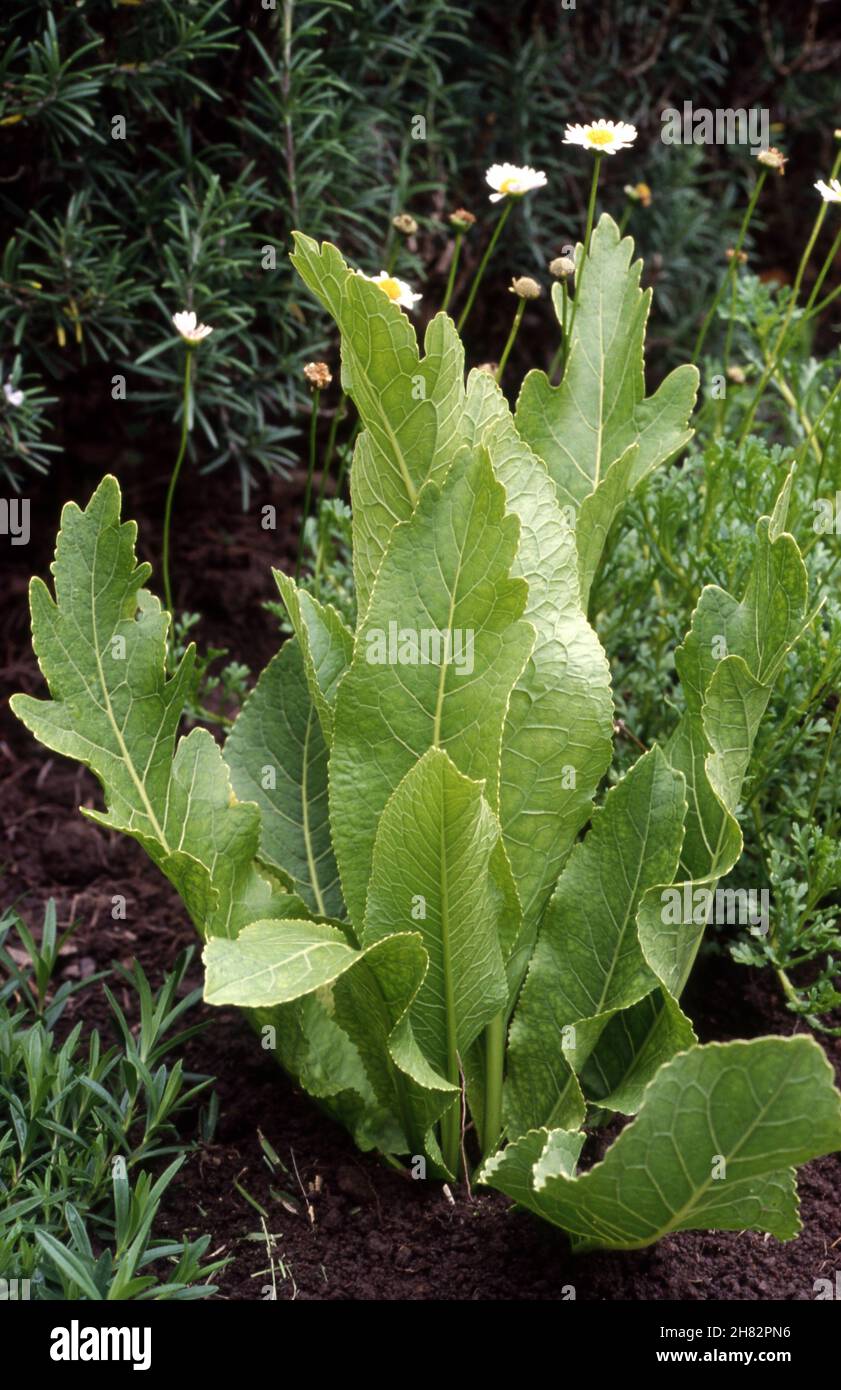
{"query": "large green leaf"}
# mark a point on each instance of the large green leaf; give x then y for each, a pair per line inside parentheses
(409, 405)
(587, 964)
(101, 645)
(446, 571)
(557, 739)
(597, 432)
(326, 646)
(712, 1147)
(727, 665)
(280, 962)
(432, 874)
(278, 759)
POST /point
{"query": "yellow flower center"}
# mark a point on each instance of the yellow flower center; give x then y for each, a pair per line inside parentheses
(390, 287)
(599, 137)
(508, 186)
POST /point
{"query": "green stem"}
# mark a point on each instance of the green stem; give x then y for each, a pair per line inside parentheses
(451, 278)
(825, 269)
(781, 336)
(347, 455)
(731, 269)
(813, 433)
(819, 308)
(338, 416)
(515, 328)
(591, 209)
(310, 470)
(560, 355)
(477, 279)
(494, 1069)
(186, 423)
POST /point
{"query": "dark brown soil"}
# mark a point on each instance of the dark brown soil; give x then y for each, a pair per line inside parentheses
(339, 1224)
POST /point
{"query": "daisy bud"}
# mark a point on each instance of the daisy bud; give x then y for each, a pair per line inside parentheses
(736, 375)
(404, 224)
(562, 267)
(525, 288)
(318, 375)
(740, 256)
(773, 158)
(462, 220)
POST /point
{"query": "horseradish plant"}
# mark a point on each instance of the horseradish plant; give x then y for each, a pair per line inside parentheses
(386, 859)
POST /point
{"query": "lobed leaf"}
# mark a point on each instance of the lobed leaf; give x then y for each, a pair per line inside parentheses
(597, 432)
(720, 1128)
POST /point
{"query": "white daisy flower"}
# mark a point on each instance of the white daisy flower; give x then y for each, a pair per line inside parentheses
(397, 290)
(830, 192)
(190, 329)
(513, 180)
(602, 137)
(13, 396)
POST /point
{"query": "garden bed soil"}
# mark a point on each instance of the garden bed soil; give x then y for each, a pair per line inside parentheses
(340, 1224)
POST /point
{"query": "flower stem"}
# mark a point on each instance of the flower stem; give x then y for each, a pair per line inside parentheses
(338, 415)
(477, 279)
(732, 267)
(515, 328)
(819, 308)
(781, 336)
(828, 263)
(348, 454)
(186, 425)
(812, 434)
(561, 354)
(591, 209)
(310, 470)
(451, 278)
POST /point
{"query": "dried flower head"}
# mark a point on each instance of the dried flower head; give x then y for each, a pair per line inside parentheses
(830, 192)
(396, 290)
(739, 256)
(638, 193)
(462, 220)
(190, 329)
(562, 267)
(513, 180)
(404, 224)
(524, 287)
(318, 375)
(602, 137)
(773, 158)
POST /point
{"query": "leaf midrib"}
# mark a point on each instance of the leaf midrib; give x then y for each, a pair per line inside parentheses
(109, 712)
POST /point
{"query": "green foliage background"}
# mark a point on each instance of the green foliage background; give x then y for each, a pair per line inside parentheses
(245, 119)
